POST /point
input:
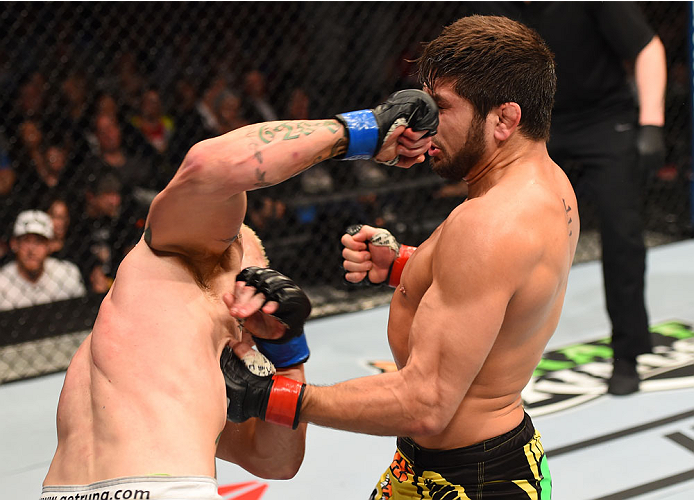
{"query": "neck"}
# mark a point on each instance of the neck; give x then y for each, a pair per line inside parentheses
(30, 276)
(514, 151)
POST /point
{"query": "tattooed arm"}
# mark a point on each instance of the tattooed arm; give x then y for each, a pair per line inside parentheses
(265, 154)
(201, 210)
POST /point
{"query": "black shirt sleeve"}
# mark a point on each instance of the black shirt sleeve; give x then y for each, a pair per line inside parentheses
(624, 27)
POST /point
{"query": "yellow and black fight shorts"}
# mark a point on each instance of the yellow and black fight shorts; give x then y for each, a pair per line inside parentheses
(510, 466)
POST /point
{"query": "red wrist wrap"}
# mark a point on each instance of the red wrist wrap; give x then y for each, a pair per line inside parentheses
(399, 264)
(285, 402)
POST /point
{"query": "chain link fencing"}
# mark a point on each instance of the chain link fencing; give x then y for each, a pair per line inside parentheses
(101, 100)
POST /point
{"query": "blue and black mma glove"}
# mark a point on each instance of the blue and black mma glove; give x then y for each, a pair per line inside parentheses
(368, 129)
(293, 310)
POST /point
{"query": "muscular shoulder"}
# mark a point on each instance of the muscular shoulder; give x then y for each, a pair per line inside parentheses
(503, 231)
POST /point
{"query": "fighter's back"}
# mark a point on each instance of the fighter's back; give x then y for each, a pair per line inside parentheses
(144, 394)
(525, 229)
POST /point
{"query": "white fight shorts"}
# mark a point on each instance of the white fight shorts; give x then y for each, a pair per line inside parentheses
(138, 488)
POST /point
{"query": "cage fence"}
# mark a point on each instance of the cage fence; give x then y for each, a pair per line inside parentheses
(101, 100)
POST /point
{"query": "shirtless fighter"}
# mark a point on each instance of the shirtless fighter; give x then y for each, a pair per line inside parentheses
(143, 404)
(477, 302)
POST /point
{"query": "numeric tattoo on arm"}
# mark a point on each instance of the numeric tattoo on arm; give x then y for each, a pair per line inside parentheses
(293, 130)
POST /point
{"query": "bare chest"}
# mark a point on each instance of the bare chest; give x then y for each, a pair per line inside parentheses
(415, 281)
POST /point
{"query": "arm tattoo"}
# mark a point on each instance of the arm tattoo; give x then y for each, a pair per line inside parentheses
(567, 209)
(293, 130)
(339, 147)
(256, 152)
(261, 182)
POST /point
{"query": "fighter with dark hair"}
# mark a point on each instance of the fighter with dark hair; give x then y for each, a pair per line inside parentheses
(477, 302)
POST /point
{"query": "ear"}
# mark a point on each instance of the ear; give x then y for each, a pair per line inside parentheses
(508, 115)
(14, 244)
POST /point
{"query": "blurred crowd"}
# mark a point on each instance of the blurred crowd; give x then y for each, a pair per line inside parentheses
(90, 156)
(99, 105)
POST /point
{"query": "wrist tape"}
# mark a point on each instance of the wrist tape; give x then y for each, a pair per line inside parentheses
(363, 132)
(285, 354)
(284, 403)
(399, 264)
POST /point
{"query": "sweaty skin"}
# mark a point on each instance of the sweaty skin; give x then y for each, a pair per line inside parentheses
(144, 393)
(478, 300)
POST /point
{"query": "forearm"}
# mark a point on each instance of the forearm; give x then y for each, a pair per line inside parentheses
(279, 451)
(651, 79)
(387, 405)
(265, 154)
(264, 449)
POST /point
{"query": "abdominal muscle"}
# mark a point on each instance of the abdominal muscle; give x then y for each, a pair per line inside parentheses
(141, 400)
(485, 411)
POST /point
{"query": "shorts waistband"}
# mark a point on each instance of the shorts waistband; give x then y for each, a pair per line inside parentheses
(137, 487)
(428, 458)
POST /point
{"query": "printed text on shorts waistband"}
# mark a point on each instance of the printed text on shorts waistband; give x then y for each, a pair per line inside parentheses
(130, 480)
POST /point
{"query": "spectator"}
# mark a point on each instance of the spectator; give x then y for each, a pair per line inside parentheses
(7, 174)
(33, 277)
(136, 172)
(134, 143)
(206, 105)
(155, 126)
(127, 83)
(65, 244)
(107, 233)
(41, 170)
(299, 105)
(74, 91)
(29, 153)
(105, 104)
(255, 98)
(598, 123)
(189, 124)
(73, 116)
(7, 180)
(228, 112)
(31, 99)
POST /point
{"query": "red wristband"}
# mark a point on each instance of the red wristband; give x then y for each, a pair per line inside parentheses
(284, 402)
(399, 264)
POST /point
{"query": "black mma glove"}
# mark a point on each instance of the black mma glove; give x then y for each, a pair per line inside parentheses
(293, 310)
(650, 143)
(368, 129)
(254, 390)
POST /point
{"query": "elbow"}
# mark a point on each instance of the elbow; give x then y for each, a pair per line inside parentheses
(430, 416)
(428, 425)
(197, 158)
(288, 471)
(202, 167)
(291, 464)
(281, 470)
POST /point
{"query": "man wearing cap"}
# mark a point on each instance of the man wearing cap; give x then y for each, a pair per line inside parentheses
(34, 277)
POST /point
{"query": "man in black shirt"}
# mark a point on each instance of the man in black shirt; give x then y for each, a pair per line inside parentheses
(598, 123)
